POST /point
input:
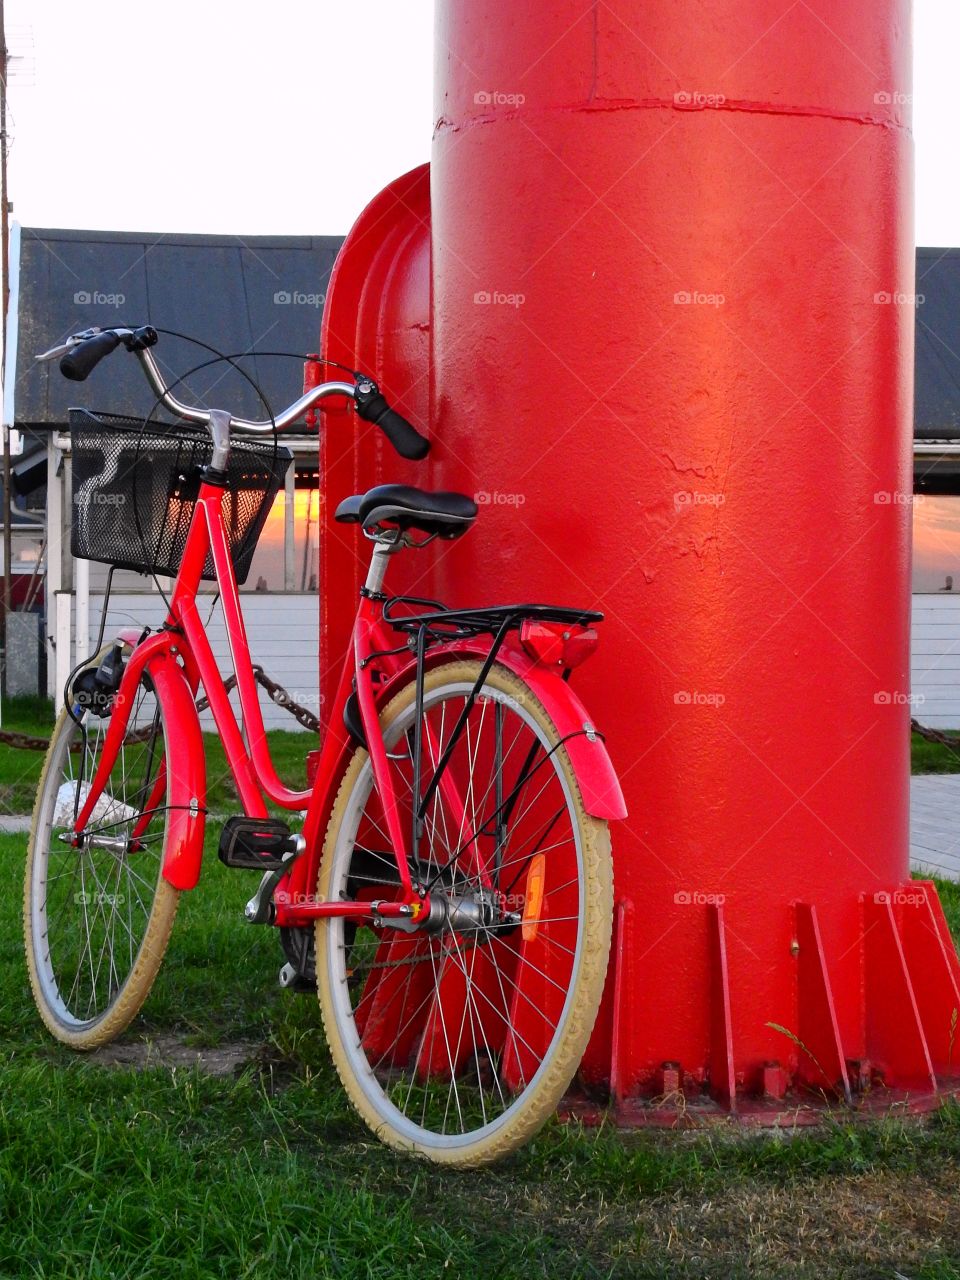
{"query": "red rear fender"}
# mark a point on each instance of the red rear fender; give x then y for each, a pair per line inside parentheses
(594, 771)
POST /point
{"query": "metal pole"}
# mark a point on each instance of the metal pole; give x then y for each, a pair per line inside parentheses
(55, 541)
(5, 251)
(306, 542)
(81, 586)
(289, 500)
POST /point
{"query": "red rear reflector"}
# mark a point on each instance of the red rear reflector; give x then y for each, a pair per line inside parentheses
(543, 641)
(557, 644)
(578, 647)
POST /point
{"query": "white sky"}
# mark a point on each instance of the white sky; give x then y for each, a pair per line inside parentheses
(142, 116)
(282, 96)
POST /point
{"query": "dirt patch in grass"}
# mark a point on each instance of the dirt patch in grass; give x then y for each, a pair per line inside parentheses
(170, 1051)
(874, 1224)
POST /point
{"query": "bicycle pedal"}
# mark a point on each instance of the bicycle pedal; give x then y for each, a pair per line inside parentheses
(257, 844)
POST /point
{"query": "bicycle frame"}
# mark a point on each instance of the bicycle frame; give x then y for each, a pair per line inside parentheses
(184, 637)
(181, 654)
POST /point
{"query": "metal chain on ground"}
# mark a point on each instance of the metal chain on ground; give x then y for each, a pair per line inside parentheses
(23, 741)
(280, 696)
(276, 693)
(935, 735)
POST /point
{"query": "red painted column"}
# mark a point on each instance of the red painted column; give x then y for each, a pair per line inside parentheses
(670, 348)
(659, 231)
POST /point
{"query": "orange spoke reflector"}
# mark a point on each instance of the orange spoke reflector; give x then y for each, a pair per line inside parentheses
(533, 899)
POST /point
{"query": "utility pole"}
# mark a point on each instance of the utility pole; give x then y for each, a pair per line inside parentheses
(5, 252)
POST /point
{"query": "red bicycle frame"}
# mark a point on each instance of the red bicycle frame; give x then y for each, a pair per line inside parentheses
(179, 660)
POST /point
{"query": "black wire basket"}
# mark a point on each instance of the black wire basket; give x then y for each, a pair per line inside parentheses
(135, 487)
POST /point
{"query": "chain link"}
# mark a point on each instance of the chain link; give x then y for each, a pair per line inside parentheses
(279, 695)
(456, 952)
(935, 735)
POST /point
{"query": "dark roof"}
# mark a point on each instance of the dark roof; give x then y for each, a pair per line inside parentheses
(936, 414)
(260, 293)
(228, 291)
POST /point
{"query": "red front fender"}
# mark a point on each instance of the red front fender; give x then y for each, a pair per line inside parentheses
(186, 793)
(594, 771)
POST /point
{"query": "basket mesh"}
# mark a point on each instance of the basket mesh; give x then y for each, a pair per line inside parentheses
(135, 488)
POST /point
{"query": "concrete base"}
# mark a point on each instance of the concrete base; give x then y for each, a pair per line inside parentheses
(24, 650)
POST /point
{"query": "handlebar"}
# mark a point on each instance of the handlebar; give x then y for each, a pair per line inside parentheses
(372, 406)
(82, 352)
(85, 356)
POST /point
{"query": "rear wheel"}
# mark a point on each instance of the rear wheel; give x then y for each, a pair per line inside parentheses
(97, 916)
(457, 1038)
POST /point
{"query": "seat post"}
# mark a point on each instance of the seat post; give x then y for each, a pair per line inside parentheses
(382, 551)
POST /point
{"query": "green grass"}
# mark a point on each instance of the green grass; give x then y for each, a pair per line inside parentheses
(933, 757)
(167, 1173)
(950, 897)
(20, 768)
(171, 1173)
(28, 714)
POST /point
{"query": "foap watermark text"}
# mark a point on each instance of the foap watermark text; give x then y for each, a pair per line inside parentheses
(97, 298)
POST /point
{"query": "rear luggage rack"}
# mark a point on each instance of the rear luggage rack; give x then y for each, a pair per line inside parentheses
(441, 623)
(430, 622)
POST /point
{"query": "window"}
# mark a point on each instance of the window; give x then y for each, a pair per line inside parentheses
(936, 543)
(287, 559)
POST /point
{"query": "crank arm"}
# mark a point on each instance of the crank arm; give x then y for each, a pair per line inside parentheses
(260, 908)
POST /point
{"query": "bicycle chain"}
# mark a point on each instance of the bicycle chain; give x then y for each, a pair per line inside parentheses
(397, 964)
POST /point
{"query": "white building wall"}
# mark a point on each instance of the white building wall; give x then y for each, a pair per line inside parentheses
(935, 659)
(283, 632)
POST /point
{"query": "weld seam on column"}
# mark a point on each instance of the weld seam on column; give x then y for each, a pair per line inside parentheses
(443, 125)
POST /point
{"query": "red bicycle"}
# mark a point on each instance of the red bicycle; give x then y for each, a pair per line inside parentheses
(448, 883)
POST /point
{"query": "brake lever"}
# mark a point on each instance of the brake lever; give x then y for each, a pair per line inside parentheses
(62, 348)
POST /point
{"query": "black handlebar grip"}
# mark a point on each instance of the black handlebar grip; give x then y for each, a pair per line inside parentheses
(404, 437)
(85, 356)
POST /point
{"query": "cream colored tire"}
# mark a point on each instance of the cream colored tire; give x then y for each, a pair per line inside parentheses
(538, 1100)
(136, 951)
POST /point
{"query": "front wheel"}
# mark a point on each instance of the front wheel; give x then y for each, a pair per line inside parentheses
(458, 1038)
(97, 913)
